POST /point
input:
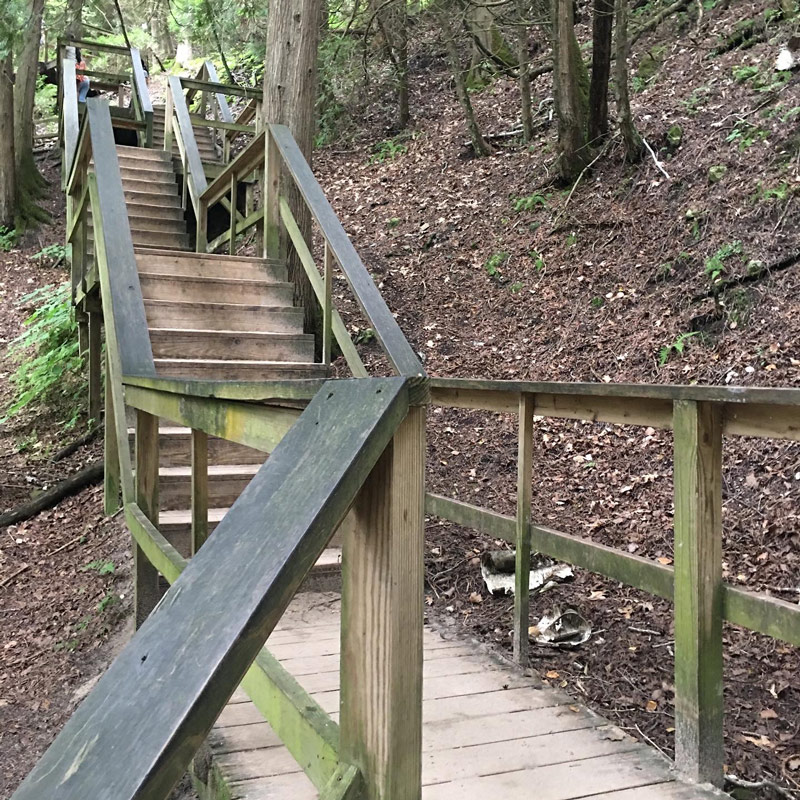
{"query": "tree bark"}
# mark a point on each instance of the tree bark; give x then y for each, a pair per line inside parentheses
(25, 87)
(571, 92)
(74, 28)
(630, 136)
(290, 82)
(392, 19)
(602, 26)
(8, 169)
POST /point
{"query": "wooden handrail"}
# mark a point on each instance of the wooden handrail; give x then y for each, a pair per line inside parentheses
(222, 103)
(69, 114)
(215, 87)
(387, 331)
(139, 88)
(324, 460)
(250, 157)
(194, 175)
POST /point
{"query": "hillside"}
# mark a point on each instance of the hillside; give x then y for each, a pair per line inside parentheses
(630, 277)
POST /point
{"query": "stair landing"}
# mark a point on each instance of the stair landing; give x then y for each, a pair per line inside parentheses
(489, 729)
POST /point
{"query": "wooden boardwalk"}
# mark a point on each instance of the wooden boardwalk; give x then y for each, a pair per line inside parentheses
(490, 731)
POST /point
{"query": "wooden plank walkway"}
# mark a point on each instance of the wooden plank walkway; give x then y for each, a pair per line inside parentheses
(490, 731)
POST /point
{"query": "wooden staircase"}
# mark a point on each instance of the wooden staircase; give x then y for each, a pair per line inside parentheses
(205, 142)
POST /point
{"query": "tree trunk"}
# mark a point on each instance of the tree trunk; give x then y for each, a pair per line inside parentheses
(571, 92)
(523, 12)
(290, 83)
(8, 185)
(159, 30)
(601, 69)
(392, 20)
(489, 44)
(25, 87)
(74, 28)
(633, 142)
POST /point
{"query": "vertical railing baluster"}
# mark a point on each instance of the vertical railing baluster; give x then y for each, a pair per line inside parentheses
(232, 242)
(199, 489)
(95, 351)
(523, 533)
(168, 123)
(271, 198)
(699, 749)
(327, 308)
(111, 479)
(146, 590)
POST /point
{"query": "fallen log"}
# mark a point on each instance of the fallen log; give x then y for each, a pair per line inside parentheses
(88, 476)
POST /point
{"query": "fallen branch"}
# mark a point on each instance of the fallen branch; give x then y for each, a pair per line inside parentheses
(753, 277)
(88, 476)
(77, 444)
(655, 160)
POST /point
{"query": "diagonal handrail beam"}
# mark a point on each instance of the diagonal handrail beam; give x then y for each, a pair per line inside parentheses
(183, 665)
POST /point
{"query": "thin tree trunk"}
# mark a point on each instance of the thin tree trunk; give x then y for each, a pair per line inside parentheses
(631, 137)
(523, 12)
(290, 83)
(602, 27)
(122, 24)
(571, 92)
(8, 171)
(74, 27)
(479, 144)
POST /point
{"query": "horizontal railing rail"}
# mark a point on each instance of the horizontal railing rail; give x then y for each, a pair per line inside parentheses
(699, 416)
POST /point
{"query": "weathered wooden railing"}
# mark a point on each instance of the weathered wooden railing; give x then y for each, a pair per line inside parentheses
(356, 451)
(698, 417)
(139, 114)
(275, 151)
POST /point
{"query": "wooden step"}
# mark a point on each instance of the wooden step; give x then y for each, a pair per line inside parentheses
(159, 211)
(185, 288)
(227, 345)
(224, 316)
(220, 370)
(143, 238)
(140, 173)
(144, 155)
(175, 449)
(202, 265)
(163, 222)
(225, 483)
(151, 191)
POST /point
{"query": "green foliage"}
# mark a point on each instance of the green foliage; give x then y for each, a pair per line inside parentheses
(516, 287)
(51, 254)
(597, 302)
(781, 192)
(696, 100)
(538, 260)
(100, 567)
(364, 336)
(108, 601)
(494, 262)
(530, 203)
(338, 86)
(393, 222)
(571, 239)
(762, 81)
(8, 238)
(387, 150)
(715, 265)
(677, 347)
(744, 72)
(745, 134)
(50, 370)
(44, 99)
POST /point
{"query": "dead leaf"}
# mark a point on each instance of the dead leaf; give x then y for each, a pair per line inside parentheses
(552, 674)
(761, 741)
(475, 598)
(651, 706)
(768, 713)
(613, 733)
(664, 560)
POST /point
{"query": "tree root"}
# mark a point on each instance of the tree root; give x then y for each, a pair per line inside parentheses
(77, 444)
(88, 476)
(723, 286)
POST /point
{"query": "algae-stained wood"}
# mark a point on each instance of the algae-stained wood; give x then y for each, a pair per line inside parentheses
(382, 615)
(699, 748)
(145, 586)
(182, 665)
(258, 426)
(523, 537)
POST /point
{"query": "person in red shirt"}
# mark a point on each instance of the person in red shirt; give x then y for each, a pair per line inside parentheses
(83, 81)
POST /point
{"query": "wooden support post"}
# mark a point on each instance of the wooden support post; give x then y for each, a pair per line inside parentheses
(232, 240)
(248, 196)
(185, 185)
(199, 489)
(111, 480)
(382, 578)
(699, 748)
(523, 560)
(327, 308)
(168, 124)
(83, 331)
(146, 589)
(95, 351)
(202, 225)
(271, 198)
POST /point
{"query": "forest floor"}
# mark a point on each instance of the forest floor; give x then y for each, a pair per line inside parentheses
(589, 286)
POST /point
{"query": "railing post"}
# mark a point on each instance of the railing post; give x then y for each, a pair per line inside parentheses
(232, 242)
(199, 489)
(95, 350)
(146, 490)
(327, 307)
(523, 543)
(111, 479)
(699, 749)
(168, 124)
(382, 590)
(271, 199)
(201, 243)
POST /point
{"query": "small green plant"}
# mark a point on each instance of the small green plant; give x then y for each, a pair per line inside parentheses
(779, 193)
(696, 100)
(393, 222)
(100, 567)
(51, 254)
(715, 265)
(744, 72)
(364, 336)
(516, 287)
(107, 601)
(571, 239)
(538, 260)
(746, 134)
(8, 238)
(597, 302)
(677, 347)
(51, 366)
(791, 114)
(387, 150)
(664, 272)
(529, 203)
(738, 304)
(494, 262)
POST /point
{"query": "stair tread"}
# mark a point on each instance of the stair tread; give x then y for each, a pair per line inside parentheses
(217, 257)
(266, 335)
(243, 282)
(214, 470)
(227, 362)
(222, 306)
